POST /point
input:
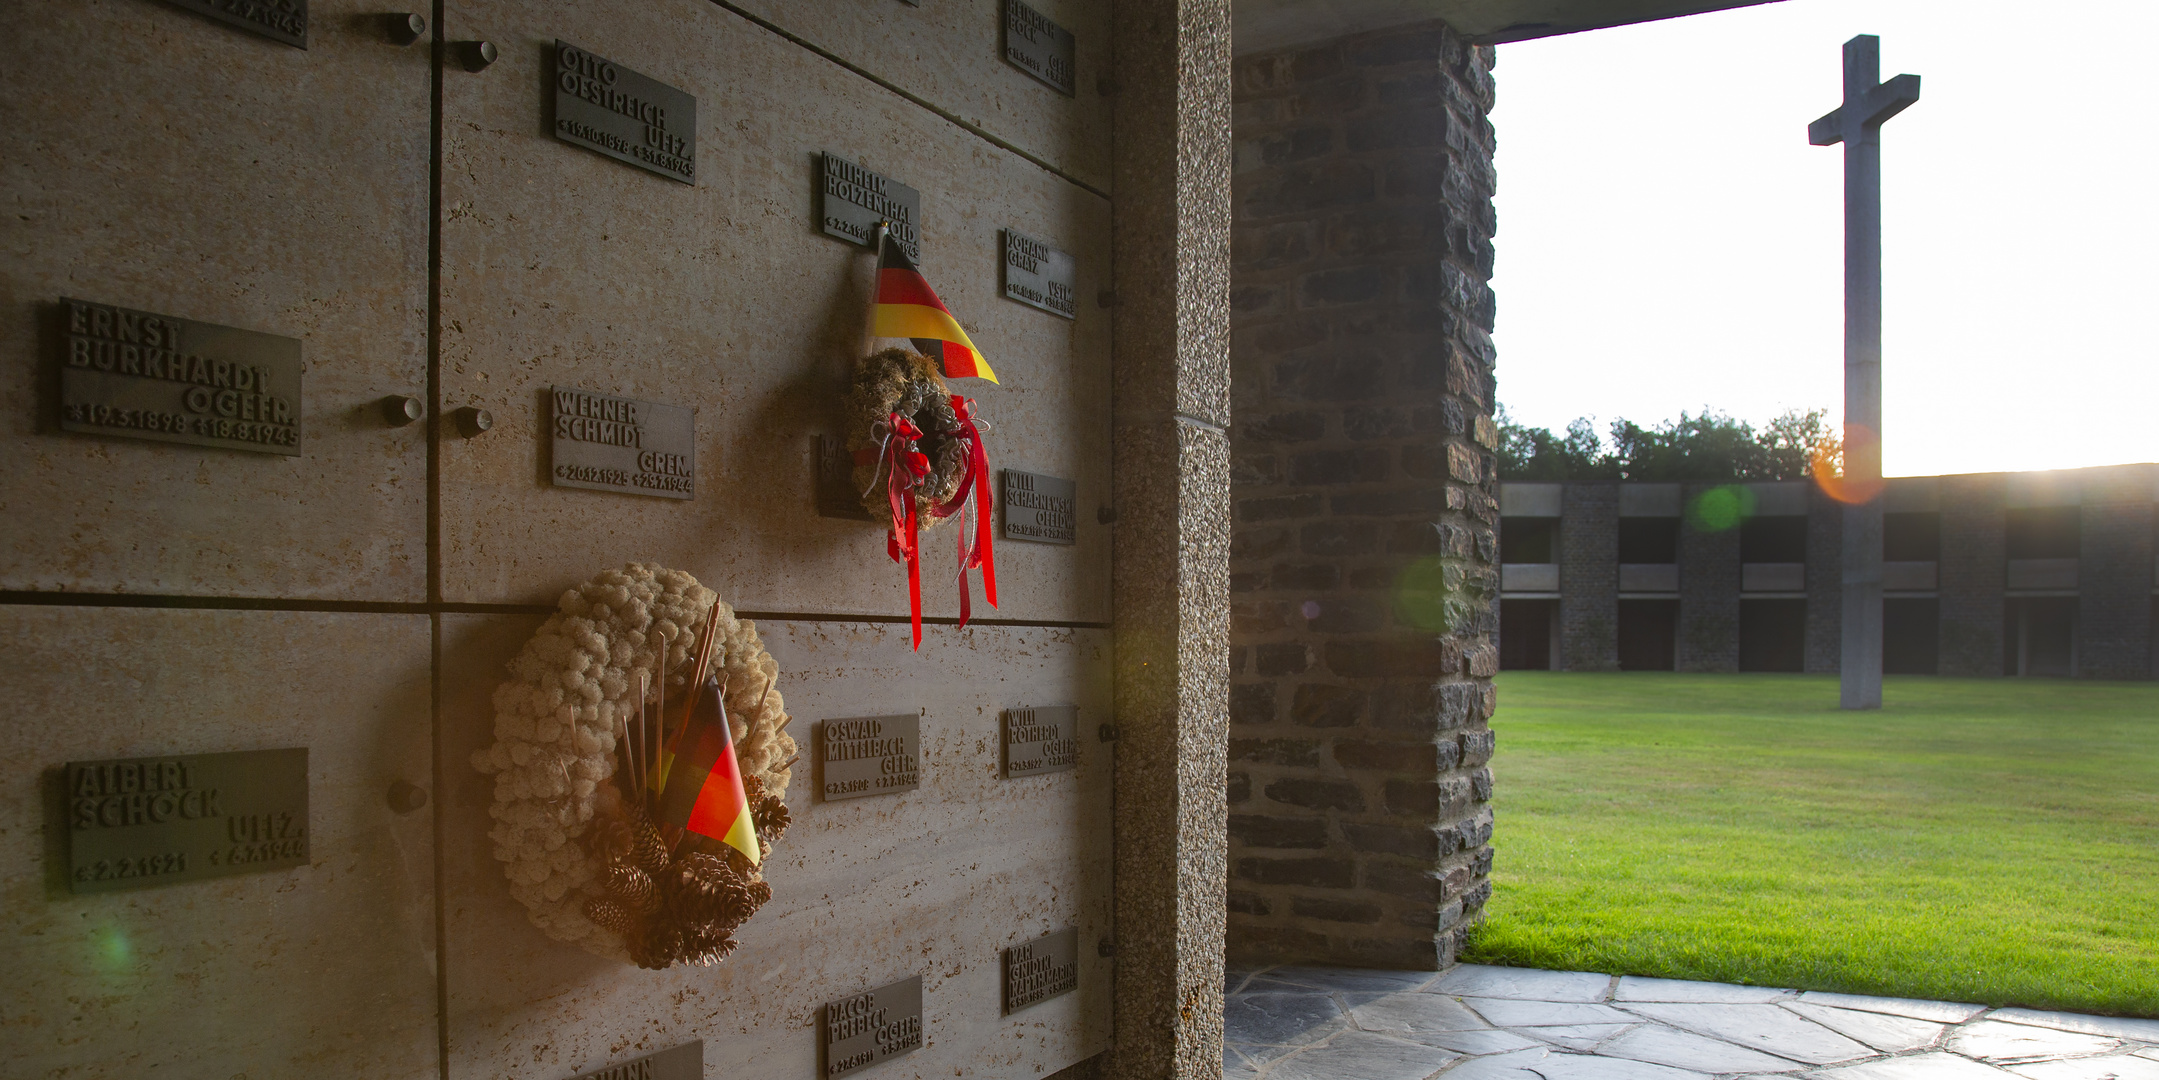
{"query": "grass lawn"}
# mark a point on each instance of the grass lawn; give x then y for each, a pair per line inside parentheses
(1991, 841)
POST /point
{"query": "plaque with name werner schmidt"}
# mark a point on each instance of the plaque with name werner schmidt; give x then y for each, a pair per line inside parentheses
(862, 1030)
(1039, 275)
(601, 105)
(851, 200)
(279, 20)
(870, 755)
(685, 1062)
(138, 375)
(135, 822)
(1039, 508)
(1041, 740)
(1039, 47)
(609, 443)
(1041, 969)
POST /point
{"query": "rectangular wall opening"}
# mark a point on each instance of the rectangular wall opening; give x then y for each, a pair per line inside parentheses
(1648, 633)
(1912, 537)
(1528, 540)
(1777, 539)
(1911, 636)
(1648, 540)
(1526, 631)
(2044, 532)
(2039, 636)
(1773, 635)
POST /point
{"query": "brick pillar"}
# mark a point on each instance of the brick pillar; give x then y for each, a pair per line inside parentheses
(1589, 577)
(1364, 556)
(2114, 575)
(1825, 582)
(1708, 593)
(1972, 574)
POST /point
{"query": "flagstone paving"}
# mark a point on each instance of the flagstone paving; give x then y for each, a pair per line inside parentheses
(1492, 1023)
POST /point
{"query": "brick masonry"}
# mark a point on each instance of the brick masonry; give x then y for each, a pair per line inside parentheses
(1709, 579)
(1971, 574)
(2114, 576)
(1825, 582)
(1364, 556)
(1589, 577)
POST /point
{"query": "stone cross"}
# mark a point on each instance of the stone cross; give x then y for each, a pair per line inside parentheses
(1857, 123)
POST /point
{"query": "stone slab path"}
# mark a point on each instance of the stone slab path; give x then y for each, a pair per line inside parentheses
(1493, 1023)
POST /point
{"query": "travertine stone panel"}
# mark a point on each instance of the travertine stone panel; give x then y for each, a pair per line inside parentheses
(157, 160)
(950, 53)
(934, 882)
(565, 267)
(323, 970)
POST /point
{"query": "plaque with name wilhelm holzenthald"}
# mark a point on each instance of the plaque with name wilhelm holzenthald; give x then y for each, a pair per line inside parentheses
(1039, 275)
(1042, 740)
(1039, 47)
(1041, 969)
(609, 443)
(851, 200)
(870, 755)
(1039, 508)
(135, 822)
(865, 1029)
(601, 105)
(685, 1062)
(279, 20)
(138, 375)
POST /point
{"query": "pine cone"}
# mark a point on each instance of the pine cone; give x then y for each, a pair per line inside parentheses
(700, 887)
(610, 915)
(633, 887)
(658, 946)
(651, 851)
(771, 817)
(706, 945)
(611, 840)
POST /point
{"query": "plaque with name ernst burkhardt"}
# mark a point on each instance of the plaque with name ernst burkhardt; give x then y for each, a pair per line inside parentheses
(1039, 275)
(685, 1062)
(1041, 969)
(143, 376)
(135, 822)
(279, 20)
(870, 755)
(609, 443)
(1041, 740)
(603, 106)
(865, 1029)
(1039, 508)
(851, 200)
(1039, 47)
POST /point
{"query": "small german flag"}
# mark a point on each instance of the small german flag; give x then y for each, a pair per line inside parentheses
(908, 308)
(703, 793)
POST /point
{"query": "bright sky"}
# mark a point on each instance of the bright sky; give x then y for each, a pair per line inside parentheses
(1669, 240)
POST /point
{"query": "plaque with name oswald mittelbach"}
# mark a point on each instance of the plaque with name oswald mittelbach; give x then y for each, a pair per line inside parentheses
(862, 1030)
(279, 20)
(1039, 275)
(1039, 47)
(1039, 508)
(154, 821)
(1041, 969)
(603, 106)
(609, 443)
(139, 375)
(685, 1062)
(870, 755)
(851, 200)
(1041, 740)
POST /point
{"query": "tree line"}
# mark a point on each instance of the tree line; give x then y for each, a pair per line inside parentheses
(1709, 447)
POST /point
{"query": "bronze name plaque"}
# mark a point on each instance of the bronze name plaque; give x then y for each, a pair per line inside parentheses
(279, 20)
(870, 755)
(155, 821)
(685, 1062)
(601, 105)
(1039, 275)
(609, 443)
(865, 1029)
(1039, 508)
(1041, 740)
(138, 375)
(851, 200)
(1041, 969)
(1038, 47)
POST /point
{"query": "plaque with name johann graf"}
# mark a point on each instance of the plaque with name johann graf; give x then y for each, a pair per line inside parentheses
(279, 20)
(609, 443)
(1039, 47)
(870, 755)
(1040, 276)
(1039, 508)
(1041, 740)
(601, 105)
(1041, 969)
(143, 376)
(851, 200)
(685, 1062)
(135, 822)
(865, 1029)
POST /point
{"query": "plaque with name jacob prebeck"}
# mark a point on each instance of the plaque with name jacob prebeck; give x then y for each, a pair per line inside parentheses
(279, 20)
(870, 755)
(851, 200)
(1039, 508)
(1041, 740)
(865, 1029)
(603, 106)
(143, 376)
(1039, 47)
(609, 443)
(685, 1062)
(1039, 275)
(1041, 969)
(155, 821)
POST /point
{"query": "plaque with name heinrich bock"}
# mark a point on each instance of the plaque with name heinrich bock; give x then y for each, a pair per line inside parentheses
(1039, 508)
(609, 443)
(1039, 47)
(1041, 969)
(279, 20)
(685, 1062)
(1039, 275)
(870, 755)
(865, 1029)
(851, 200)
(143, 376)
(135, 822)
(1041, 740)
(603, 106)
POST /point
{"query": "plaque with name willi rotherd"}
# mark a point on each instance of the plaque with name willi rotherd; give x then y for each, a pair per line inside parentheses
(867, 1028)
(1039, 508)
(1043, 740)
(1041, 969)
(155, 821)
(608, 443)
(870, 755)
(603, 106)
(1039, 275)
(851, 200)
(138, 375)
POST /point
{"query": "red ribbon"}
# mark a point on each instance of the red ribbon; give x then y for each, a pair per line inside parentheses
(905, 467)
(975, 481)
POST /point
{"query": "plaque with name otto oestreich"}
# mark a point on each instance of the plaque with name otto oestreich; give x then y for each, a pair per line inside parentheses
(603, 106)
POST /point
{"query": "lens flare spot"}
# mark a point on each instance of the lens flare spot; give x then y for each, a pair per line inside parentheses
(1853, 476)
(1310, 609)
(112, 948)
(1428, 595)
(1721, 508)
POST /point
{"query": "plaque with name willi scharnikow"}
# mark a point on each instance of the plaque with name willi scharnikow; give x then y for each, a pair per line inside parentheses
(603, 106)
(609, 443)
(154, 821)
(1043, 740)
(870, 755)
(138, 375)
(1039, 508)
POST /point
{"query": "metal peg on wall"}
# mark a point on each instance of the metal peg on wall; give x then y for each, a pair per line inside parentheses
(473, 55)
(473, 421)
(404, 27)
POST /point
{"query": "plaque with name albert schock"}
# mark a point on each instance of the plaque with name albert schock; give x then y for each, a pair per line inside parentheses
(139, 375)
(279, 20)
(609, 443)
(603, 106)
(865, 1029)
(870, 755)
(1041, 969)
(135, 822)
(1039, 508)
(685, 1062)
(1039, 275)
(851, 200)
(1042, 740)
(1039, 47)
